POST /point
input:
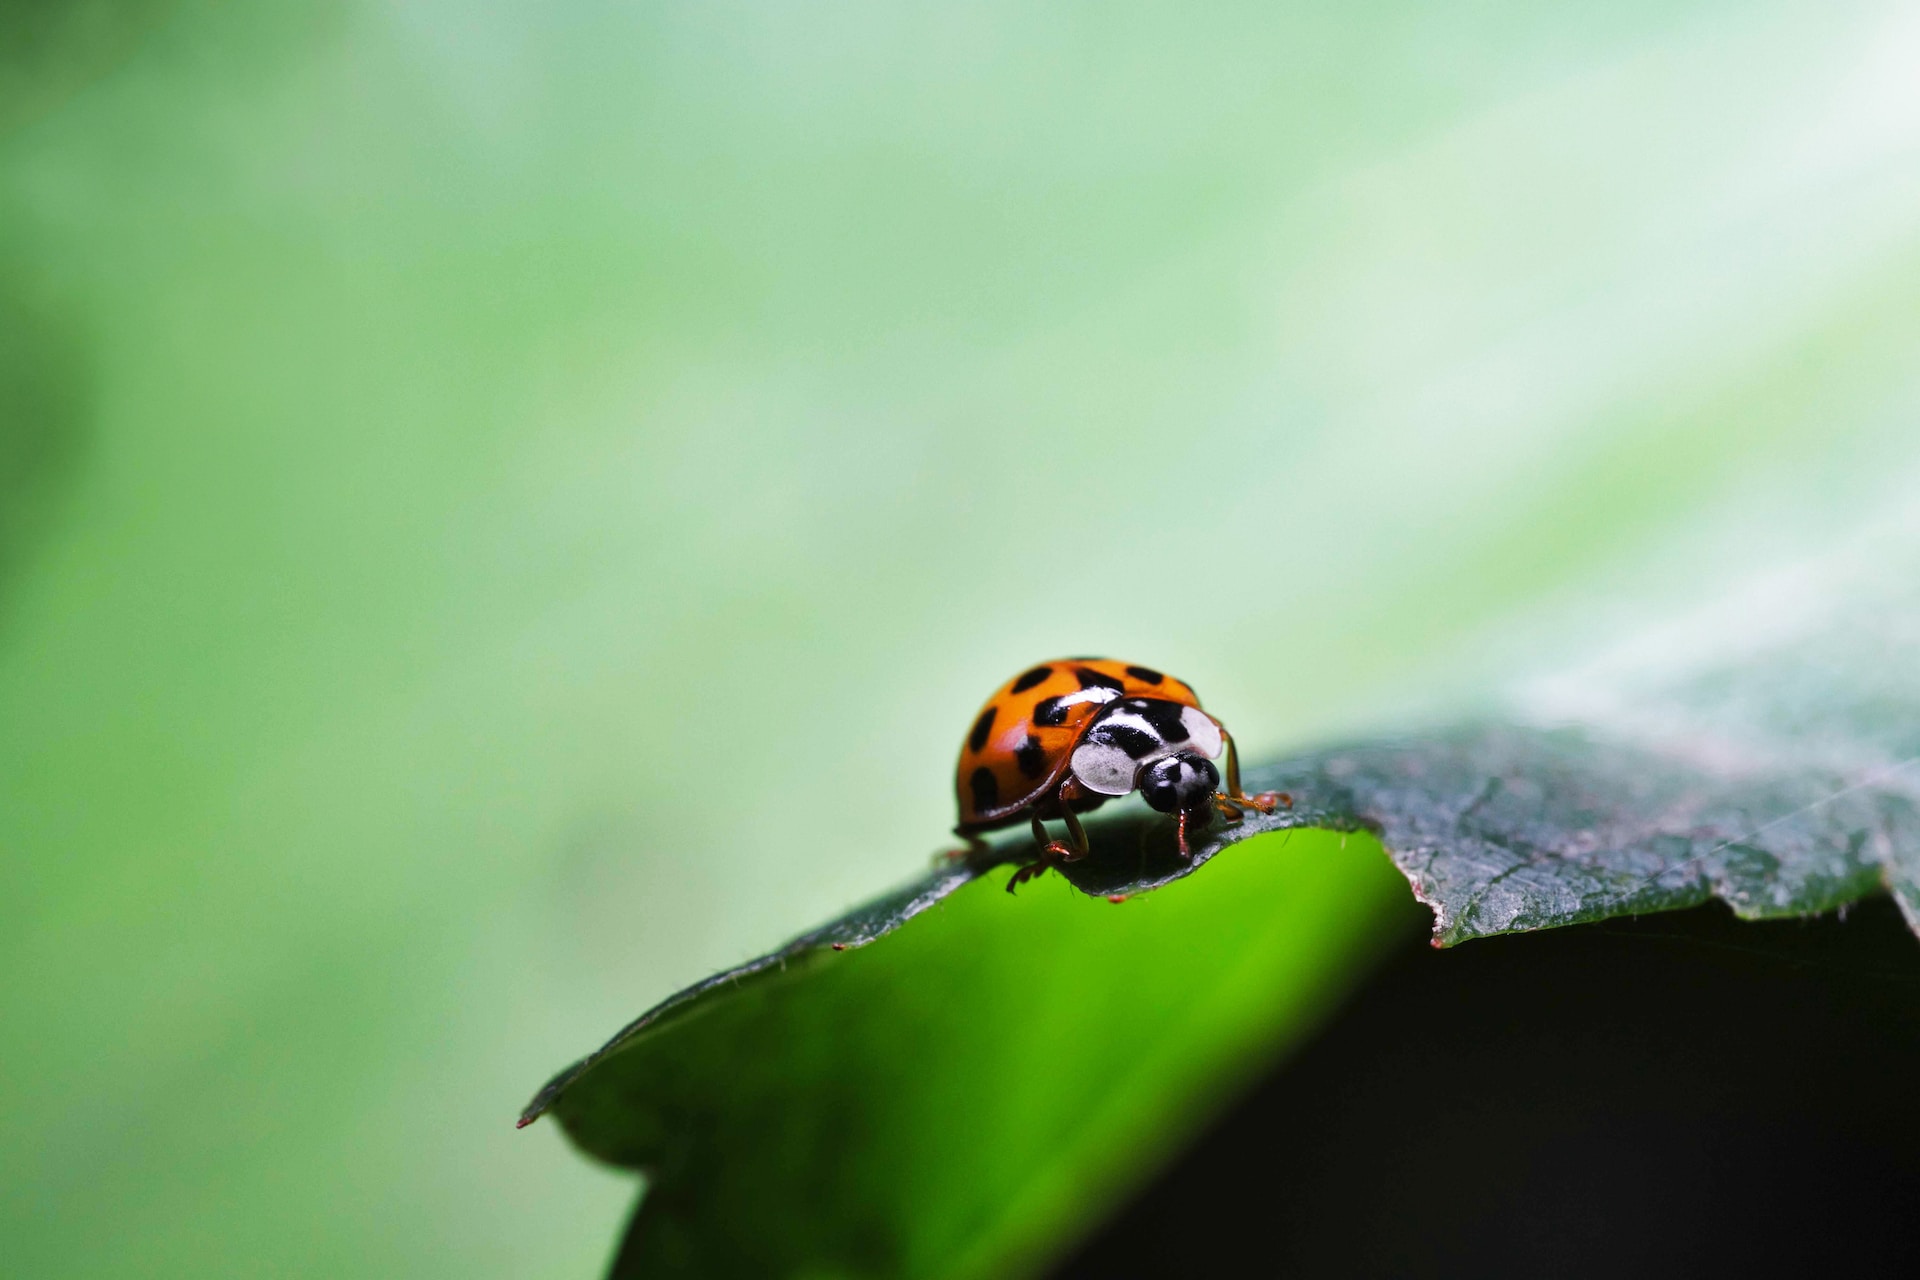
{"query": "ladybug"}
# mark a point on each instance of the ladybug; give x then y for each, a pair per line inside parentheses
(1065, 737)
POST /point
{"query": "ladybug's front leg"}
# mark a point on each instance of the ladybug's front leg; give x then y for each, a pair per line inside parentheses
(1233, 803)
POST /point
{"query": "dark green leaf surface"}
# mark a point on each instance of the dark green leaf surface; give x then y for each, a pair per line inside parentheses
(957, 1099)
(954, 1099)
(1763, 749)
(1507, 828)
(1499, 828)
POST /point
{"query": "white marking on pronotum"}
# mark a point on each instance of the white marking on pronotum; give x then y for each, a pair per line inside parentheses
(1203, 731)
(1103, 767)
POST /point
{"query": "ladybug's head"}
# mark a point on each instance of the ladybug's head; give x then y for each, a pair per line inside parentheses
(1184, 781)
(1162, 749)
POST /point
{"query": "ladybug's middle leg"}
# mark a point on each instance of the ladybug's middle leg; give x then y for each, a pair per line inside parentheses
(1075, 832)
(1050, 848)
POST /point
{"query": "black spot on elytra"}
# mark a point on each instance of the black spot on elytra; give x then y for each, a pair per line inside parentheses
(1036, 676)
(986, 791)
(1085, 658)
(1091, 679)
(981, 728)
(1031, 757)
(1050, 712)
(1165, 717)
(1145, 675)
(1130, 738)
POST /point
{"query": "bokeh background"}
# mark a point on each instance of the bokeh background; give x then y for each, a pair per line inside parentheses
(507, 509)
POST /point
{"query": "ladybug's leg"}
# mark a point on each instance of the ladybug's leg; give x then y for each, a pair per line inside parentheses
(1234, 802)
(1024, 874)
(976, 847)
(1051, 848)
(1075, 832)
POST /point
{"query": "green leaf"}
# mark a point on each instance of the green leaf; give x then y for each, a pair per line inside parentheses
(960, 1099)
(954, 1099)
(1763, 749)
(1507, 828)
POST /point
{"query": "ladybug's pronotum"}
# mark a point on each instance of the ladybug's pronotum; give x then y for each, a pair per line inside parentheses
(1064, 737)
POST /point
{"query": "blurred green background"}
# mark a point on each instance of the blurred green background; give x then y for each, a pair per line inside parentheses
(507, 509)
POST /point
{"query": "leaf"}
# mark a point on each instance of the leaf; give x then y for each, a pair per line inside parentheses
(1507, 828)
(1763, 749)
(957, 1100)
(952, 1100)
